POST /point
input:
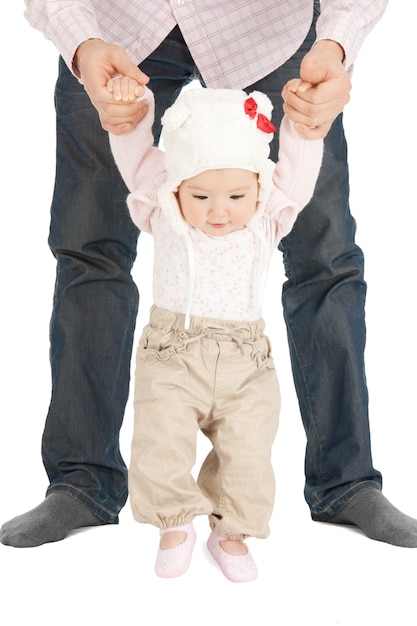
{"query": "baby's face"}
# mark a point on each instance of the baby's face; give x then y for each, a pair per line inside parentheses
(219, 201)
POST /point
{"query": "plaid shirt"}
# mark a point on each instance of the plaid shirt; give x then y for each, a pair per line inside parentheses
(233, 43)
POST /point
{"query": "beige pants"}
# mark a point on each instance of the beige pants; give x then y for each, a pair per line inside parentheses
(217, 377)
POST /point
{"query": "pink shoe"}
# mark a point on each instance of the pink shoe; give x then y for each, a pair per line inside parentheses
(237, 568)
(173, 562)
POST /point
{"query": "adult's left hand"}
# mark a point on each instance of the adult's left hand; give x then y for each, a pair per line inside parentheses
(322, 92)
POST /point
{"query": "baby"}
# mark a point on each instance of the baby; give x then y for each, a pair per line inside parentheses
(217, 207)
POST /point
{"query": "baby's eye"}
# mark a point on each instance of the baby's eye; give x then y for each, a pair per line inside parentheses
(200, 197)
(237, 196)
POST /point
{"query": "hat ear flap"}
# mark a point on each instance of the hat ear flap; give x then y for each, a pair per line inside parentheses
(265, 182)
(171, 209)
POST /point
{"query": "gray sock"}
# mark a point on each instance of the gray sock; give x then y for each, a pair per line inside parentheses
(51, 521)
(378, 519)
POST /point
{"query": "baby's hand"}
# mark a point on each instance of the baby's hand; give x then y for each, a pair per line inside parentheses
(295, 85)
(125, 89)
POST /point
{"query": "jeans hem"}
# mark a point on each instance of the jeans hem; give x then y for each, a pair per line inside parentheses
(325, 514)
(99, 511)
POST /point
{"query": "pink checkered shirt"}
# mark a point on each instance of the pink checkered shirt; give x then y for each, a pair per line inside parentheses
(234, 44)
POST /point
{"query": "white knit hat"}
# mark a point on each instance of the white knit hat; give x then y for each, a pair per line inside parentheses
(209, 129)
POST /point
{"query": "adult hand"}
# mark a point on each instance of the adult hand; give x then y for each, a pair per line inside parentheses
(96, 62)
(322, 92)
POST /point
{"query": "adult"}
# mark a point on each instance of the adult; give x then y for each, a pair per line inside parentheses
(252, 45)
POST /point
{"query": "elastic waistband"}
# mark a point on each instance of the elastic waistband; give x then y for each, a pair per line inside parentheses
(161, 318)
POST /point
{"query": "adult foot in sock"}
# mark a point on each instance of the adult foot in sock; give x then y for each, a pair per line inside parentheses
(370, 511)
(51, 521)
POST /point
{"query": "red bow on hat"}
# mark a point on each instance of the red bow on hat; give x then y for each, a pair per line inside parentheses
(262, 122)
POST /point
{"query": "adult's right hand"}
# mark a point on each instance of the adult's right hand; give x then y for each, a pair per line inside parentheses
(95, 62)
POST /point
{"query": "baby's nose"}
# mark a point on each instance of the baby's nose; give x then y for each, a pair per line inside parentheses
(218, 208)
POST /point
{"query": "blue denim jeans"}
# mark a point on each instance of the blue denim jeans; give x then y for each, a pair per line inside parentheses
(95, 305)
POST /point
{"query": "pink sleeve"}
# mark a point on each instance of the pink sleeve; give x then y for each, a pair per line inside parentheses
(141, 165)
(295, 176)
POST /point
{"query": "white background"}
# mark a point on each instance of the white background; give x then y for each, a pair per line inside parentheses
(309, 573)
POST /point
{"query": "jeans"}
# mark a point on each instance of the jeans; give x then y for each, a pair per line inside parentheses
(95, 305)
